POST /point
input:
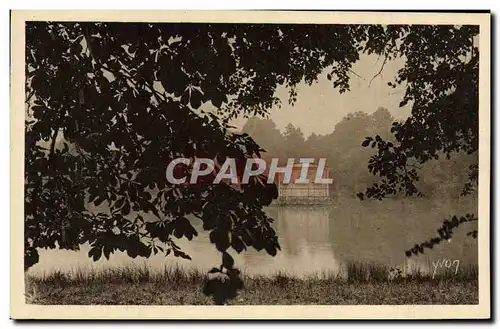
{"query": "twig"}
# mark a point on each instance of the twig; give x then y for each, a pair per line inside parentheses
(53, 143)
(30, 95)
(380, 71)
(356, 74)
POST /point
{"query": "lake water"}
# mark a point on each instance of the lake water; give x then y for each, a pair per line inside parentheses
(317, 239)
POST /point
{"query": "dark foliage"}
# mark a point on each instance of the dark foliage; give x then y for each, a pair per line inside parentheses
(125, 98)
(221, 285)
(444, 233)
(441, 77)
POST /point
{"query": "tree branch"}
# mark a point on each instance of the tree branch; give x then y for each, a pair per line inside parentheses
(356, 74)
(30, 95)
(381, 68)
(53, 143)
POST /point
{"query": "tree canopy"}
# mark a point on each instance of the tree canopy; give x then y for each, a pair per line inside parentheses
(126, 98)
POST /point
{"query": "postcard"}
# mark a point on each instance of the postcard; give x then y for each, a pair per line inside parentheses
(250, 165)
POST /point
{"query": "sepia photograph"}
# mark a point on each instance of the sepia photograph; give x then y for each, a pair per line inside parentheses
(292, 164)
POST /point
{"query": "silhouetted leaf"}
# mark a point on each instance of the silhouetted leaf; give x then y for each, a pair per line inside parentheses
(237, 244)
(195, 98)
(227, 260)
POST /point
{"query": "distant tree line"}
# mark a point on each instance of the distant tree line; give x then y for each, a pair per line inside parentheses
(347, 160)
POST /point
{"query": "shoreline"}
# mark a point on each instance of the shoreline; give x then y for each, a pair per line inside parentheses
(363, 286)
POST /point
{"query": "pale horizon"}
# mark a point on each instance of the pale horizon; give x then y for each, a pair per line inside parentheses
(321, 100)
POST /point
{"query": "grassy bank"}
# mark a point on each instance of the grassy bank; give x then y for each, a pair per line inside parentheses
(365, 284)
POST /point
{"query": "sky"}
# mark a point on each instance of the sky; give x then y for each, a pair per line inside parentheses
(320, 107)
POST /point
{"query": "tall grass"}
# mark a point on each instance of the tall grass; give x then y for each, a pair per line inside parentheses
(361, 283)
(354, 272)
(364, 272)
(375, 272)
(126, 274)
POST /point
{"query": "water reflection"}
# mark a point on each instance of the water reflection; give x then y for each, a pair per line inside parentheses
(317, 239)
